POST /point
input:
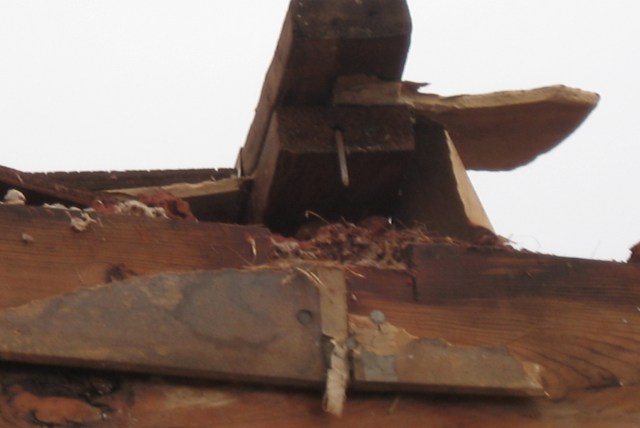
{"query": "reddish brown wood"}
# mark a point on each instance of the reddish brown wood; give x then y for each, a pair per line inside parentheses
(39, 191)
(34, 397)
(578, 319)
(106, 180)
(43, 256)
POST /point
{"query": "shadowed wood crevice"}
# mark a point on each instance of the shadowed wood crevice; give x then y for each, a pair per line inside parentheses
(436, 192)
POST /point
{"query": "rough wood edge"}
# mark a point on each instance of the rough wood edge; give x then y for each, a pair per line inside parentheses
(188, 190)
(560, 108)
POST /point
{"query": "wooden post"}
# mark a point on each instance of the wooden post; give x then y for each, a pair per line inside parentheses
(320, 41)
(300, 169)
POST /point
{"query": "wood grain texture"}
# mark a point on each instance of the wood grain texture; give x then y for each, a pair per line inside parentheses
(578, 319)
(43, 256)
(39, 191)
(107, 180)
(494, 131)
(319, 42)
(34, 397)
(228, 324)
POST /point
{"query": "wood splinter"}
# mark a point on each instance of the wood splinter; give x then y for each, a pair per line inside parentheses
(342, 157)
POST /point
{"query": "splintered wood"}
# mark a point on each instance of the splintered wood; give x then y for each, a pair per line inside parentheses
(495, 131)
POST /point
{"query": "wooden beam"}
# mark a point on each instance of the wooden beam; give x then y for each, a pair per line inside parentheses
(436, 192)
(32, 397)
(300, 169)
(302, 313)
(320, 41)
(578, 320)
(108, 180)
(228, 324)
(43, 256)
(495, 131)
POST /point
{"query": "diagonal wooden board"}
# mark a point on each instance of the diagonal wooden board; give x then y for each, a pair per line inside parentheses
(260, 326)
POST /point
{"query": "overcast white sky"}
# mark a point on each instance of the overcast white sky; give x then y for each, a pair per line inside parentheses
(132, 84)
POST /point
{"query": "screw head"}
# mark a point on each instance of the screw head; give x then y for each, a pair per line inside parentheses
(377, 316)
(304, 316)
(351, 343)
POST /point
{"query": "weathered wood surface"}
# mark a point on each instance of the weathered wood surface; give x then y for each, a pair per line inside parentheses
(108, 180)
(495, 131)
(43, 256)
(40, 191)
(36, 397)
(276, 325)
(579, 320)
(212, 194)
(319, 42)
(436, 192)
(220, 201)
(300, 169)
(258, 326)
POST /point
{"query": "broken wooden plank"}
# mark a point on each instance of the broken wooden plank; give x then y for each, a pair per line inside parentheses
(40, 191)
(319, 42)
(579, 320)
(300, 170)
(436, 192)
(220, 200)
(108, 180)
(495, 131)
(385, 356)
(43, 256)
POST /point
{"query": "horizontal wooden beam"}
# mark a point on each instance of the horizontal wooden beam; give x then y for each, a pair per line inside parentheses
(578, 320)
(42, 255)
(495, 131)
(33, 396)
(108, 180)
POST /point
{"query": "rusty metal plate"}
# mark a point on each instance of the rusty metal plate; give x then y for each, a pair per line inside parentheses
(261, 325)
